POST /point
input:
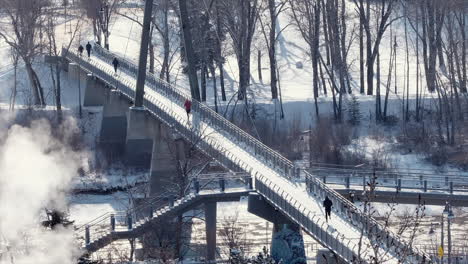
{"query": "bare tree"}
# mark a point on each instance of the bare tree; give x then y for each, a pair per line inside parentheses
(232, 235)
(54, 49)
(188, 48)
(406, 226)
(15, 58)
(240, 19)
(20, 31)
(381, 17)
(306, 16)
(268, 27)
(101, 13)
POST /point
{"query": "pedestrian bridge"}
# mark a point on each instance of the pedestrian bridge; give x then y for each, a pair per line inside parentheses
(351, 234)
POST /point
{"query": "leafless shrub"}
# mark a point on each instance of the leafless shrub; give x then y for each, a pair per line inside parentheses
(279, 136)
(329, 143)
(233, 235)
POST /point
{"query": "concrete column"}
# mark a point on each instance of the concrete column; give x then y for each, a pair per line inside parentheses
(325, 256)
(210, 228)
(141, 127)
(287, 243)
(163, 160)
(94, 93)
(73, 71)
(114, 123)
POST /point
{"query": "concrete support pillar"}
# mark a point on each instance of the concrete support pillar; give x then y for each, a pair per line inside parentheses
(95, 92)
(163, 160)
(114, 123)
(141, 127)
(287, 243)
(325, 256)
(210, 228)
(73, 71)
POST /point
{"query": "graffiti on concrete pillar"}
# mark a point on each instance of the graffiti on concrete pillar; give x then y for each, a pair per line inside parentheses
(287, 246)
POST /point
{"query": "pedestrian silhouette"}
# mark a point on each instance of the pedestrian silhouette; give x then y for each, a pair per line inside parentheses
(80, 50)
(327, 203)
(115, 62)
(88, 49)
(188, 107)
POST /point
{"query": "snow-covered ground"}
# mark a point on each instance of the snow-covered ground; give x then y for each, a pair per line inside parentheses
(297, 97)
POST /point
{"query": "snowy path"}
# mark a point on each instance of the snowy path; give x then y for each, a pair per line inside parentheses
(227, 146)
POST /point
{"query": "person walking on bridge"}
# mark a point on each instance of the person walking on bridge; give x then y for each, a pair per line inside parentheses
(80, 50)
(88, 49)
(115, 62)
(188, 107)
(327, 204)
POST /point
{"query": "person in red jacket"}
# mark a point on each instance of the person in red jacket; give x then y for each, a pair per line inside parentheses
(188, 107)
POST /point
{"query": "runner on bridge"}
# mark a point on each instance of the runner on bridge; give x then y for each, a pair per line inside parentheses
(115, 62)
(188, 107)
(88, 49)
(327, 203)
(80, 50)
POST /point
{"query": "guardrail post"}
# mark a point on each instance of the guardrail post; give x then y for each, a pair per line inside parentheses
(171, 200)
(250, 183)
(363, 182)
(151, 212)
(129, 222)
(222, 184)
(347, 181)
(87, 235)
(451, 187)
(398, 185)
(112, 222)
(425, 185)
(196, 185)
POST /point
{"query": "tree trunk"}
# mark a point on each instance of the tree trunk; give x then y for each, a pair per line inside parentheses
(203, 82)
(361, 51)
(259, 65)
(151, 56)
(378, 108)
(315, 51)
(272, 49)
(215, 88)
(58, 95)
(36, 87)
(221, 81)
(370, 62)
(218, 51)
(15, 80)
(461, 18)
(189, 53)
(407, 70)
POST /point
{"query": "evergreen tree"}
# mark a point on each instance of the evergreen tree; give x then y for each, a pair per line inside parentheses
(354, 112)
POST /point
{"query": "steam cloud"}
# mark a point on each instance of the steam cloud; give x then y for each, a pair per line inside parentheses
(35, 171)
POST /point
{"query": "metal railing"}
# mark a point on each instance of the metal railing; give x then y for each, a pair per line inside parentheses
(269, 157)
(392, 179)
(129, 220)
(308, 220)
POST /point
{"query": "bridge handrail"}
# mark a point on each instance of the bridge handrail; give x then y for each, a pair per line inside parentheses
(301, 215)
(383, 173)
(277, 161)
(217, 119)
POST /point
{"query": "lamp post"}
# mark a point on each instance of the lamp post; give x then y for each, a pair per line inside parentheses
(449, 214)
